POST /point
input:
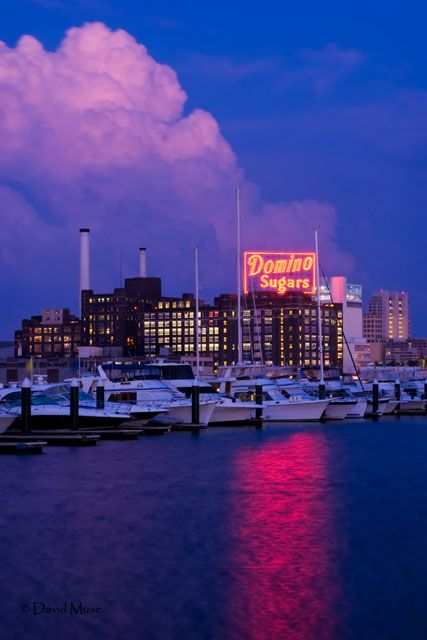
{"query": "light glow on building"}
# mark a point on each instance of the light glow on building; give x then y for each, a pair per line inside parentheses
(283, 272)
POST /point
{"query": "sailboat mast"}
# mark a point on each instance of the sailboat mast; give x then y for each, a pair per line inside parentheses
(196, 267)
(239, 284)
(319, 316)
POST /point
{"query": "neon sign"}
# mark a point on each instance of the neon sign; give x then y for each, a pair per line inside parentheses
(279, 271)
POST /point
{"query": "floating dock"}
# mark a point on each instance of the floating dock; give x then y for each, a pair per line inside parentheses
(70, 439)
(155, 430)
(22, 448)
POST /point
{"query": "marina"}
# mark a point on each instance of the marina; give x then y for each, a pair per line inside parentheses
(244, 400)
(287, 521)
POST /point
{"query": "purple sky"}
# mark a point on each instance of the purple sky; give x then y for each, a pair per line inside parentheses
(146, 147)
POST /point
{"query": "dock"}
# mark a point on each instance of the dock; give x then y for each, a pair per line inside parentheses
(69, 439)
(111, 433)
(188, 427)
(155, 430)
(22, 448)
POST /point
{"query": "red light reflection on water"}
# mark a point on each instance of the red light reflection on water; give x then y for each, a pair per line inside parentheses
(283, 574)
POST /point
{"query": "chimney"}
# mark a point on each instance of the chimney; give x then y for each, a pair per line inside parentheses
(84, 259)
(142, 262)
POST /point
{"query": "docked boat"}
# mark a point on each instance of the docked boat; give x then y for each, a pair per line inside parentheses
(50, 408)
(340, 403)
(280, 405)
(148, 391)
(227, 410)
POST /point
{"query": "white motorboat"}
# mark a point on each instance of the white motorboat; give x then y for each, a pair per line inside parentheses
(227, 410)
(279, 405)
(149, 393)
(341, 404)
(50, 408)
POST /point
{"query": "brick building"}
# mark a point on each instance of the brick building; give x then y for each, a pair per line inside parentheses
(54, 333)
(276, 329)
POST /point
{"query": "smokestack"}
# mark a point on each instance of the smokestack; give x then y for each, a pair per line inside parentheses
(84, 259)
(142, 262)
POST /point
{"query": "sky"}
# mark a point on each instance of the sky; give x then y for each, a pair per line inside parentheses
(138, 120)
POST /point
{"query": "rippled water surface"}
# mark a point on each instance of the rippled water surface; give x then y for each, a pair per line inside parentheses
(316, 532)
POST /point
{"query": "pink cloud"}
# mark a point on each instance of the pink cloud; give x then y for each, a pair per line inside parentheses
(96, 134)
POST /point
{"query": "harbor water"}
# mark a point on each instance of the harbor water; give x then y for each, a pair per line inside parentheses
(308, 532)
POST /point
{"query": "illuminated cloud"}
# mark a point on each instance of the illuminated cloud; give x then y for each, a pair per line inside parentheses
(97, 134)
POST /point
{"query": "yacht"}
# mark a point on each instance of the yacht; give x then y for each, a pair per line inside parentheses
(280, 405)
(340, 404)
(50, 408)
(409, 402)
(227, 410)
(147, 391)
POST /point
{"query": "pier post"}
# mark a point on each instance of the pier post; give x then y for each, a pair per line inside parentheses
(322, 389)
(258, 400)
(26, 406)
(195, 404)
(100, 395)
(397, 389)
(74, 404)
(375, 397)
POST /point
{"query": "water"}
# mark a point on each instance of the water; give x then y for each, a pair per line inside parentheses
(311, 533)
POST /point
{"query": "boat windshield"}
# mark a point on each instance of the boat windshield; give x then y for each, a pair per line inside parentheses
(176, 372)
(48, 397)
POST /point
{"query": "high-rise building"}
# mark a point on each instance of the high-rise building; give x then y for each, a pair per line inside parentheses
(387, 318)
(356, 352)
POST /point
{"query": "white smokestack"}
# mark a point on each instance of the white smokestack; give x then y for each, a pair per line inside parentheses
(84, 259)
(142, 262)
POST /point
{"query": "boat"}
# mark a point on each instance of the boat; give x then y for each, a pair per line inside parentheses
(280, 405)
(50, 408)
(227, 409)
(148, 391)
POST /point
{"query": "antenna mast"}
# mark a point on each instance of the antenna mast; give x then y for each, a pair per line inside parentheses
(196, 267)
(319, 317)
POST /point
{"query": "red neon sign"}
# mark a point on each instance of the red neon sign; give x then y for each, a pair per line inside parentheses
(279, 271)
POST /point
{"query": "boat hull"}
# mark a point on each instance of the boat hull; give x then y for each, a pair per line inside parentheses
(6, 421)
(340, 410)
(54, 417)
(390, 407)
(408, 407)
(382, 404)
(232, 413)
(182, 413)
(358, 411)
(295, 411)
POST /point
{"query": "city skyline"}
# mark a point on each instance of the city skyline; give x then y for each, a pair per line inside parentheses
(325, 129)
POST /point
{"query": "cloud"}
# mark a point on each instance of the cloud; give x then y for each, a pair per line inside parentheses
(226, 67)
(322, 69)
(316, 70)
(96, 134)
